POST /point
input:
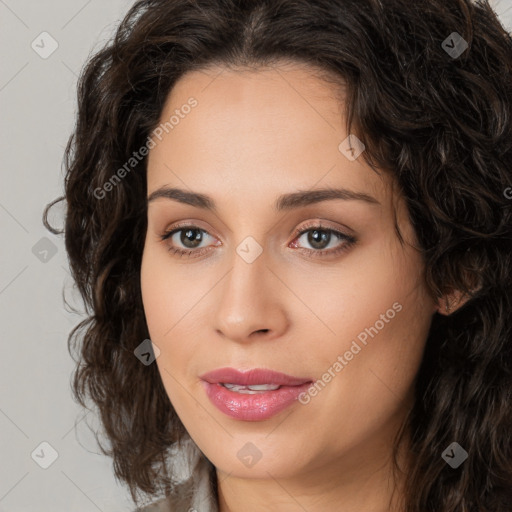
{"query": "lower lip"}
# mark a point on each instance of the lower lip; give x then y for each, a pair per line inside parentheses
(253, 407)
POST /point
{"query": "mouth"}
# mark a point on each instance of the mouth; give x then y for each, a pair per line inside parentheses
(254, 378)
(253, 395)
(250, 390)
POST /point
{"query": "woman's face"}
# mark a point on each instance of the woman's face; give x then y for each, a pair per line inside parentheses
(348, 312)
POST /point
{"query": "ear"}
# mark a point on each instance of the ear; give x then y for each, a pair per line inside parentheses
(450, 302)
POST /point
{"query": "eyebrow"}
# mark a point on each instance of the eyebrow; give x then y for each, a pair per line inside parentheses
(283, 203)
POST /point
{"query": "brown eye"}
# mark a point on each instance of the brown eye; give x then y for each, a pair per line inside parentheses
(319, 238)
(189, 237)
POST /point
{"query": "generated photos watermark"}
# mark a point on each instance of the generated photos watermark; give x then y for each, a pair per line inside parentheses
(355, 348)
(138, 156)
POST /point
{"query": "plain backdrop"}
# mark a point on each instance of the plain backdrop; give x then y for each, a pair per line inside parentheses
(44, 44)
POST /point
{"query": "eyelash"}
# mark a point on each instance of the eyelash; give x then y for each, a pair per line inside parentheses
(349, 240)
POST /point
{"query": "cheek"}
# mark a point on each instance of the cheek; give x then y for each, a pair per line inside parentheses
(380, 316)
(162, 311)
(170, 305)
(162, 297)
(369, 288)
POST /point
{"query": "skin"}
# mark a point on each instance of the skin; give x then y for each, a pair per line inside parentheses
(253, 136)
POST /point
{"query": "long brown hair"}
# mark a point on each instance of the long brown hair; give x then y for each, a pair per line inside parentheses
(435, 113)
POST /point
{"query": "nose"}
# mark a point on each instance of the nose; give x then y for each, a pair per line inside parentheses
(251, 304)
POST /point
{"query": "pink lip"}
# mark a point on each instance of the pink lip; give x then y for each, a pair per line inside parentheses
(253, 407)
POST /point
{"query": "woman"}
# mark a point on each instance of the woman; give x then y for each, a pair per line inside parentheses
(290, 223)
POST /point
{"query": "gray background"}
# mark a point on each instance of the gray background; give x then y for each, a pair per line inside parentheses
(37, 102)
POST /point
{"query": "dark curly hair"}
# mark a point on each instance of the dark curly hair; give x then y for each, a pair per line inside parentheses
(439, 122)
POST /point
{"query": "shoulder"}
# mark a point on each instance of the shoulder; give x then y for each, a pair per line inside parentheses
(164, 505)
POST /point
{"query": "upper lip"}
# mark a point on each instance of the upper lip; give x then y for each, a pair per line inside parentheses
(252, 377)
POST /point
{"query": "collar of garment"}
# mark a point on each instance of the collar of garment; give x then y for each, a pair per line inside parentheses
(195, 489)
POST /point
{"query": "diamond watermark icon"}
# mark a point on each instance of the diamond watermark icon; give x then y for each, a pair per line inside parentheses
(44, 45)
(249, 454)
(454, 45)
(44, 455)
(454, 455)
(44, 250)
(249, 249)
(351, 147)
(147, 352)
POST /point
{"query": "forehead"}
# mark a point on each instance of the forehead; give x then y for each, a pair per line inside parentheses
(260, 129)
(285, 84)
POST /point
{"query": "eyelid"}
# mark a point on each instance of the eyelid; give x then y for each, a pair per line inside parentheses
(168, 232)
(192, 223)
(347, 239)
(325, 225)
(317, 223)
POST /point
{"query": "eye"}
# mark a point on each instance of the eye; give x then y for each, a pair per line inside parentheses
(190, 236)
(319, 237)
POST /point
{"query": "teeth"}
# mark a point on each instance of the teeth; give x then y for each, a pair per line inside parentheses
(250, 390)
